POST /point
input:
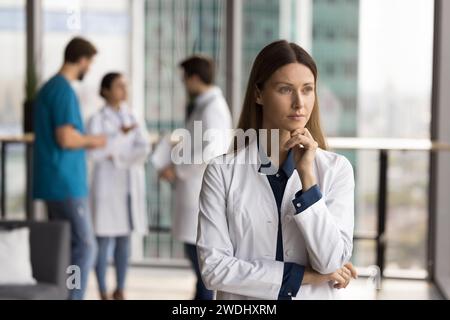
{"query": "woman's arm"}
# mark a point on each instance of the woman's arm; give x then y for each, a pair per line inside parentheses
(134, 150)
(327, 225)
(340, 277)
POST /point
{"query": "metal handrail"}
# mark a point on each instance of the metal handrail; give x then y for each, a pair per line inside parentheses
(391, 144)
(337, 143)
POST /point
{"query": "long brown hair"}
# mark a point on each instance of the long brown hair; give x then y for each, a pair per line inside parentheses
(271, 58)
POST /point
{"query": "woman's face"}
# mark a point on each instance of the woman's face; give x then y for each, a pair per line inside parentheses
(287, 97)
(118, 91)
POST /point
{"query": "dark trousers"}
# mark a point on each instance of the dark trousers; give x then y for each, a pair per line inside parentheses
(201, 293)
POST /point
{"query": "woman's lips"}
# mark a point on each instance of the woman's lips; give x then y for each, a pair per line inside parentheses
(297, 117)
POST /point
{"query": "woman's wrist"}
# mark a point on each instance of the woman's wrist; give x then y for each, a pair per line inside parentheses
(307, 277)
(313, 277)
(307, 178)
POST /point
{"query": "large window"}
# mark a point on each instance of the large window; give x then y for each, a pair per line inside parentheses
(394, 100)
(12, 77)
(173, 31)
(12, 97)
(260, 26)
(105, 24)
(375, 78)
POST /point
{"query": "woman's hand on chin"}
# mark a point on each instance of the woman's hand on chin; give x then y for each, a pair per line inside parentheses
(304, 147)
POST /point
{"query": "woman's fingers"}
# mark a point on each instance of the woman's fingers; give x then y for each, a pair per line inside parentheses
(348, 276)
(295, 140)
(303, 131)
(308, 134)
(347, 272)
(342, 277)
(338, 278)
(300, 139)
(352, 269)
(297, 131)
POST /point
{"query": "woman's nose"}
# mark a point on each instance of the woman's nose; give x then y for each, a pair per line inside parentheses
(297, 102)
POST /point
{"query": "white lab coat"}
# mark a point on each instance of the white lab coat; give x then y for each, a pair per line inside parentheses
(212, 109)
(238, 223)
(118, 170)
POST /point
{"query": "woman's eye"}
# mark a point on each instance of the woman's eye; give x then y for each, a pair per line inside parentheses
(286, 90)
(307, 90)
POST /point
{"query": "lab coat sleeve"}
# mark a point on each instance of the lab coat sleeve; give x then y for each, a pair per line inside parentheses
(327, 225)
(134, 150)
(220, 270)
(304, 200)
(94, 127)
(216, 145)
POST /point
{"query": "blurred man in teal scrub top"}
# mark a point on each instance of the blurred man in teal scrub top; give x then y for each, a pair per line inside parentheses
(59, 168)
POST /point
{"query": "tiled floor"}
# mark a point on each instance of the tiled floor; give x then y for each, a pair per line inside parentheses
(178, 283)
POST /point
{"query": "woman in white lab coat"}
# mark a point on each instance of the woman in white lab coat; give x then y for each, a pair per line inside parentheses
(278, 226)
(118, 181)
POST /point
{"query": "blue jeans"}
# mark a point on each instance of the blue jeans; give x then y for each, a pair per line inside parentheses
(201, 293)
(121, 254)
(83, 245)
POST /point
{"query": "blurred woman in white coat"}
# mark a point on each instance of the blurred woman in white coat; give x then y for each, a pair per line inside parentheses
(118, 181)
(278, 225)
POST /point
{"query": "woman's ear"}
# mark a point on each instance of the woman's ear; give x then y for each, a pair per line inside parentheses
(258, 96)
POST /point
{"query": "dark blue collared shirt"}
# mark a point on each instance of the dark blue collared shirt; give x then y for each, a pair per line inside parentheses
(292, 273)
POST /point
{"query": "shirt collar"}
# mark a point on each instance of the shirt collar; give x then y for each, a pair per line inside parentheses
(289, 164)
(266, 166)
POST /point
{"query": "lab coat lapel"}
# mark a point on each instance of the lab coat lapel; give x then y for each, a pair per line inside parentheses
(266, 189)
(110, 119)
